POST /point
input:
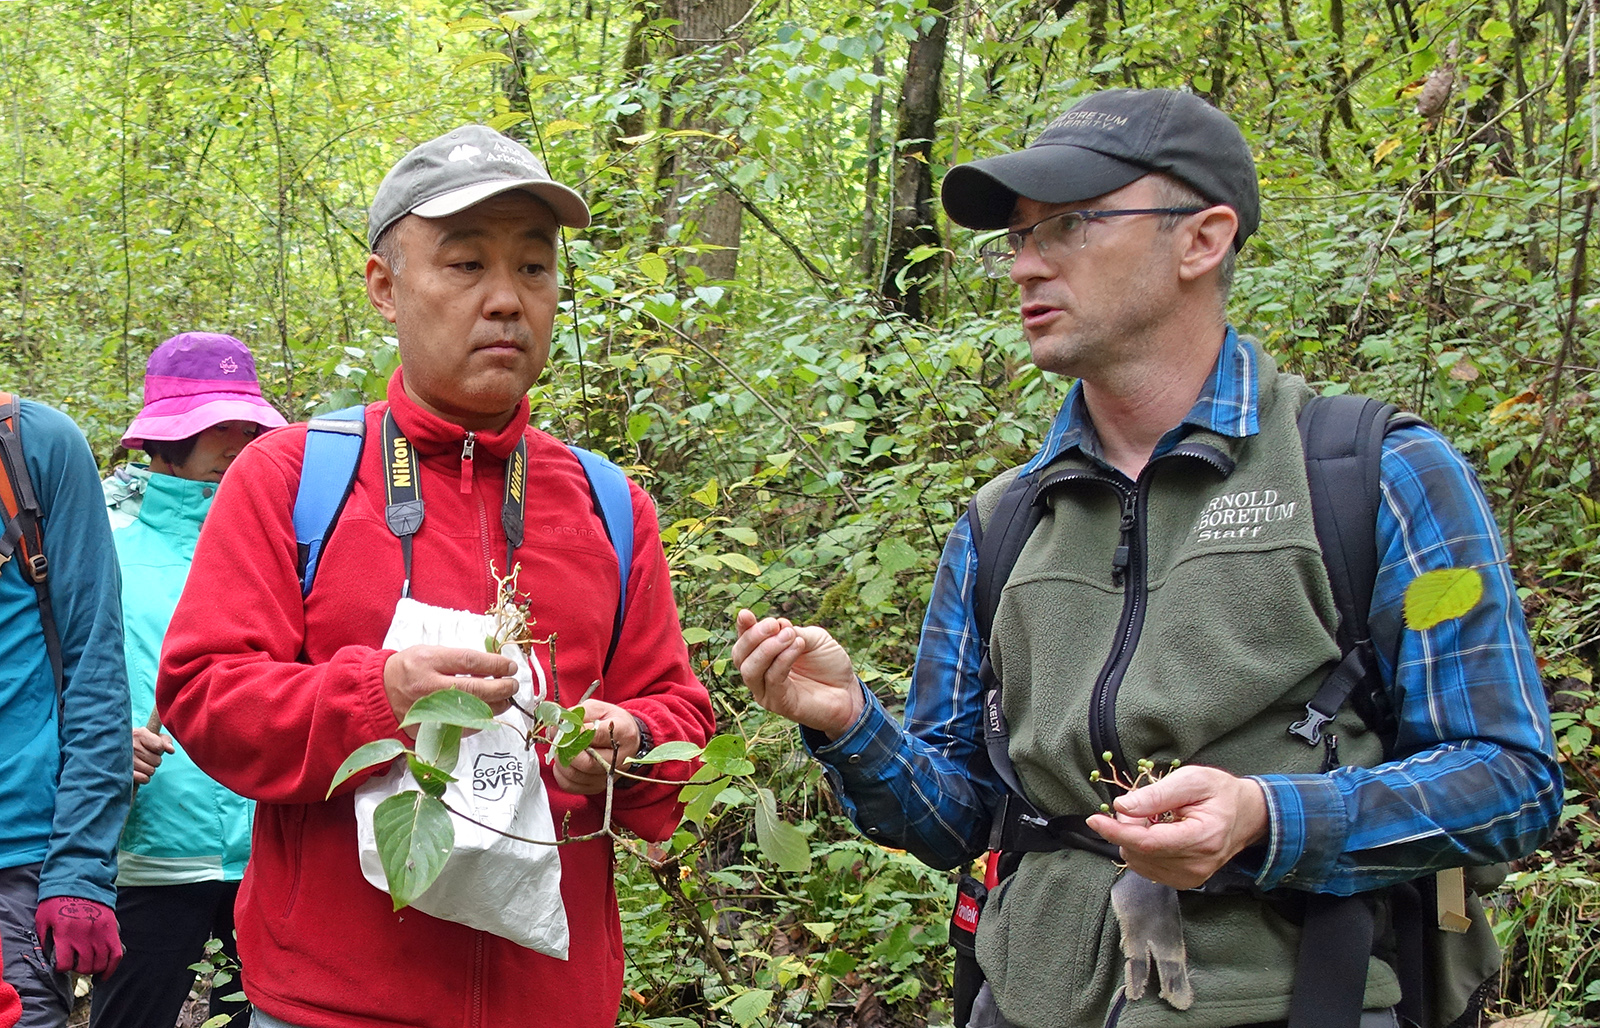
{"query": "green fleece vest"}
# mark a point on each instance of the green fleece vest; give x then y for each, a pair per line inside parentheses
(1213, 651)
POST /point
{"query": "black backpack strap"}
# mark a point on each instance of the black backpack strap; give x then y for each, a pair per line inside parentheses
(1330, 971)
(997, 547)
(1342, 437)
(22, 531)
(999, 544)
(1018, 826)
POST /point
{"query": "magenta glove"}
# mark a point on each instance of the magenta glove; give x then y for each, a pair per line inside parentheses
(84, 933)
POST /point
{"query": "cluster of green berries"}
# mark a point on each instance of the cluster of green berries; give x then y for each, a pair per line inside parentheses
(1146, 775)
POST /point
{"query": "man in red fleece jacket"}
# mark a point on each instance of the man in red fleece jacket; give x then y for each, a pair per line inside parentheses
(269, 691)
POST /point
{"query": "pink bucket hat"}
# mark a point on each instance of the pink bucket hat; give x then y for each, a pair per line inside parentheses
(195, 380)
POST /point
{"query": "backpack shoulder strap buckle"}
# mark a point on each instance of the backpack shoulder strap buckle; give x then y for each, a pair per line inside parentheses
(1310, 727)
(38, 568)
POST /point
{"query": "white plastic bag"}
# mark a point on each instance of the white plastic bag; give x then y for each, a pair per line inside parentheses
(492, 883)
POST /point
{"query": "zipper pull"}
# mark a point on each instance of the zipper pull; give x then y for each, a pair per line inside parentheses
(1119, 559)
(467, 446)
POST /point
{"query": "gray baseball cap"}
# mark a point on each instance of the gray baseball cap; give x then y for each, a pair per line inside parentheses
(463, 167)
(1104, 142)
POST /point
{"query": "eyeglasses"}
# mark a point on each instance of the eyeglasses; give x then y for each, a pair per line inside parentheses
(1050, 235)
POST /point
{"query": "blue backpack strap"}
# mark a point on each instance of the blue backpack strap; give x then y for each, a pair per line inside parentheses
(333, 449)
(614, 503)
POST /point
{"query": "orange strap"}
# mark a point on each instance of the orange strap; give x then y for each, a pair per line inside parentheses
(16, 493)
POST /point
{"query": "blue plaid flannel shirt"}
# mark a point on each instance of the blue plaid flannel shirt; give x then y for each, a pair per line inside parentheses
(1476, 780)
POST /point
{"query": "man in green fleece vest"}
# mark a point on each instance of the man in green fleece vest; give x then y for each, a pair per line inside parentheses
(1172, 611)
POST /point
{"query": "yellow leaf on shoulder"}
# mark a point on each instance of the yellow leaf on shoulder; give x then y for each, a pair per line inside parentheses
(1434, 597)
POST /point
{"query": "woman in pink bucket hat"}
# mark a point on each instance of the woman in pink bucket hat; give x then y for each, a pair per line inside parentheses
(194, 383)
(202, 404)
(183, 850)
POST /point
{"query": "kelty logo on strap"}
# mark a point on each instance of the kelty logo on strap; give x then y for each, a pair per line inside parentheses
(966, 915)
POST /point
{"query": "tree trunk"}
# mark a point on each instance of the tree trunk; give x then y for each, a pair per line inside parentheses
(1219, 59)
(607, 232)
(913, 222)
(869, 209)
(633, 60)
(716, 216)
(1097, 40)
(1340, 80)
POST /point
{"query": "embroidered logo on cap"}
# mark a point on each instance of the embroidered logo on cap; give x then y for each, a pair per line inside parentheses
(1090, 120)
(464, 152)
(228, 366)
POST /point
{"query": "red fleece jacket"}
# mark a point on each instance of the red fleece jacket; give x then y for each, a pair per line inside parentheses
(270, 692)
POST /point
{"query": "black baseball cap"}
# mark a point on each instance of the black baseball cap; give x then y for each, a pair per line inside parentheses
(465, 166)
(1104, 142)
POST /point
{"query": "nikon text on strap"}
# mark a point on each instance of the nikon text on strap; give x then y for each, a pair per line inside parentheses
(403, 511)
(22, 531)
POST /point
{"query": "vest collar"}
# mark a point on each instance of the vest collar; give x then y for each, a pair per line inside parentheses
(433, 435)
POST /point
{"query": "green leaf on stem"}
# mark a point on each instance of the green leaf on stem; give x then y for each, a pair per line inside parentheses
(415, 838)
(572, 744)
(370, 755)
(896, 555)
(750, 1007)
(704, 773)
(439, 745)
(450, 707)
(432, 780)
(501, 122)
(472, 23)
(698, 799)
(727, 753)
(484, 57)
(675, 750)
(780, 841)
(548, 713)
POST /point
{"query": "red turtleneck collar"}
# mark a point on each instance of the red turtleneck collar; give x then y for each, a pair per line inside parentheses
(431, 434)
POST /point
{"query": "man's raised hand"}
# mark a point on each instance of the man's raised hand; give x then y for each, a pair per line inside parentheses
(798, 672)
(416, 671)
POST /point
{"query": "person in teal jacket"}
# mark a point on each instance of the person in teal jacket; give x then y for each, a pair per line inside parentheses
(187, 839)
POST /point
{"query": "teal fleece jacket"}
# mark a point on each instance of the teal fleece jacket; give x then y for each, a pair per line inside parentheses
(184, 826)
(64, 781)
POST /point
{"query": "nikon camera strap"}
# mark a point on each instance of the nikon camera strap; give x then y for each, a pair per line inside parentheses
(403, 488)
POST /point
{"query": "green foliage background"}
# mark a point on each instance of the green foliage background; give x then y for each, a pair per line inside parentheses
(166, 167)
